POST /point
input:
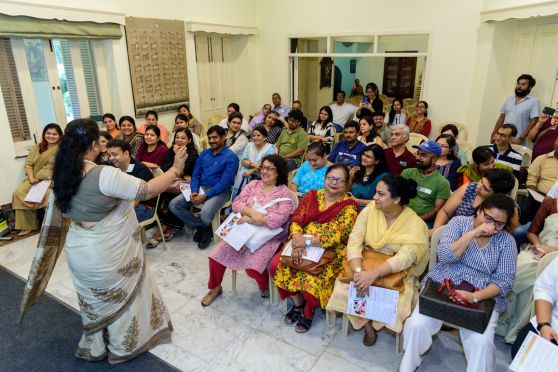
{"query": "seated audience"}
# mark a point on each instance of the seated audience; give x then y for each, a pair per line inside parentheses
(483, 162)
(260, 117)
(119, 153)
(447, 163)
(214, 172)
(543, 236)
(386, 227)
(322, 130)
(310, 175)
(366, 175)
(273, 126)
(152, 151)
(395, 116)
(152, 118)
(297, 105)
(236, 139)
(103, 157)
(324, 219)
(369, 133)
(452, 130)
(419, 122)
(129, 134)
(544, 134)
(232, 108)
(474, 252)
(371, 100)
(433, 189)
(398, 156)
(356, 89)
(38, 167)
(279, 107)
(183, 137)
(192, 123)
(251, 159)
(382, 129)
(545, 321)
(271, 190)
(466, 199)
(349, 149)
(181, 122)
(293, 141)
(503, 150)
(342, 111)
(109, 121)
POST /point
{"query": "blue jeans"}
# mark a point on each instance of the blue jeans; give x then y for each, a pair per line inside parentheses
(182, 209)
(338, 128)
(143, 213)
(520, 234)
(291, 164)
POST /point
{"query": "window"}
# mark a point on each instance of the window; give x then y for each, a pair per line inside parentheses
(11, 91)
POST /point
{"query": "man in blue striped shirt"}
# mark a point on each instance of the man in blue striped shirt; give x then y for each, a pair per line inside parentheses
(214, 175)
(503, 150)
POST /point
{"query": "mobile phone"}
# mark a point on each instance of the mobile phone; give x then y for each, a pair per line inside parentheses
(364, 99)
(549, 111)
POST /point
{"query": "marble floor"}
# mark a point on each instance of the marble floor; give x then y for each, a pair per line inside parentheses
(243, 332)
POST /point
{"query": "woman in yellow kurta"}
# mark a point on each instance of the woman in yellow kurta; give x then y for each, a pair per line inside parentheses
(38, 167)
(324, 218)
(387, 226)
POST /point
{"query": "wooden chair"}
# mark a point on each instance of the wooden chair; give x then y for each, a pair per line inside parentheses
(463, 131)
(543, 263)
(415, 139)
(155, 218)
(468, 148)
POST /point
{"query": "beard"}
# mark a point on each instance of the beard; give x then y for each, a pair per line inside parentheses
(421, 165)
(521, 93)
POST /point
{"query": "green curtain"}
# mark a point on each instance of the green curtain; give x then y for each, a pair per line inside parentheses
(30, 27)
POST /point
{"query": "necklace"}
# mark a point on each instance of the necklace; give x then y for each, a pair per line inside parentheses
(89, 162)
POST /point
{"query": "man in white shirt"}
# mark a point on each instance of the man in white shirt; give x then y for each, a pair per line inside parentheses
(234, 107)
(342, 111)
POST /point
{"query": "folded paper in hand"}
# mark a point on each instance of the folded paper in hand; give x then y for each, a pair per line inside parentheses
(380, 304)
(187, 191)
(236, 234)
(312, 253)
(37, 192)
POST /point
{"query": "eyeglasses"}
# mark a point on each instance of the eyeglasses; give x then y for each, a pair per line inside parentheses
(267, 169)
(489, 219)
(336, 180)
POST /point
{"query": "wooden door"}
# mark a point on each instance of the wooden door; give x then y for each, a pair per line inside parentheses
(205, 79)
(399, 77)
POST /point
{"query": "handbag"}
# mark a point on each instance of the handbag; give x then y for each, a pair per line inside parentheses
(263, 234)
(310, 267)
(371, 259)
(434, 301)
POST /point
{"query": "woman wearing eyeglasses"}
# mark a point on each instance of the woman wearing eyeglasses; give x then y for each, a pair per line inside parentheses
(271, 189)
(448, 163)
(324, 219)
(419, 122)
(386, 228)
(473, 252)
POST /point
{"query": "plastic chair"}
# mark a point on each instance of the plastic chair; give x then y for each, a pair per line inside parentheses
(415, 139)
(408, 102)
(525, 152)
(468, 148)
(345, 332)
(434, 241)
(463, 131)
(543, 263)
(155, 218)
(216, 222)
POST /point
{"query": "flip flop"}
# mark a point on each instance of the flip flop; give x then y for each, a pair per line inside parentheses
(210, 297)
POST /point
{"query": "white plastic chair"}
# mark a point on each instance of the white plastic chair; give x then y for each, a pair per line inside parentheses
(415, 139)
(155, 218)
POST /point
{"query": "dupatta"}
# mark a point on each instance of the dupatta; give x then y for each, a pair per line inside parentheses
(309, 210)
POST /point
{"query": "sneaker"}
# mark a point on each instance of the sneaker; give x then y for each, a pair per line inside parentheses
(205, 237)
(197, 235)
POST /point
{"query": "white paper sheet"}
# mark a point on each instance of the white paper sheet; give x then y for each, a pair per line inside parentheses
(187, 191)
(380, 304)
(312, 253)
(536, 195)
(37, 192)
(535, 355)
(233, 233)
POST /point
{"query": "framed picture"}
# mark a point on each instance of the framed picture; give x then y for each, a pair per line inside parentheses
(326, 71)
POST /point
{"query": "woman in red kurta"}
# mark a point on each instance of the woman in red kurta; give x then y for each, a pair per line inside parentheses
(152, 151)
(419, 123)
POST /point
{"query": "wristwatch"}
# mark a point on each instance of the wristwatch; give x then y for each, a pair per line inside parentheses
(308, 242)
(475, 299)
(358, 269)
(543, 324)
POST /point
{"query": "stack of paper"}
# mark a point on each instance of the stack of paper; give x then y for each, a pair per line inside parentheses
(37, 192)
(380, 304)
(236, 234)
(535, 355)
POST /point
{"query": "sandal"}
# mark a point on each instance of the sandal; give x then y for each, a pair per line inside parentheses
(294, 314)
(303, 324)
(370, 339)
(210, 297)
(152, 243)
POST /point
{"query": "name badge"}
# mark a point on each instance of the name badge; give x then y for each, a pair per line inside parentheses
(424, 190)
(403, 163)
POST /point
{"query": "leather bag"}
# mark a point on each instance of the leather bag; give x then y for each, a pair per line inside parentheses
(310, 267)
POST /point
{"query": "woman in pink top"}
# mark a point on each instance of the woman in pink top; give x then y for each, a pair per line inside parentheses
(152, 151)
(151, 118)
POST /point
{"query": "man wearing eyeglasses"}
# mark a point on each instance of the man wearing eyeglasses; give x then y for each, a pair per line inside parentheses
(503, 150)
(433, 189)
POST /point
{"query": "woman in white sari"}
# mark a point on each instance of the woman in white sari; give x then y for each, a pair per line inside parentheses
(122, 310)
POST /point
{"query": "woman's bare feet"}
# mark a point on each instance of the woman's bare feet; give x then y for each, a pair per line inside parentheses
(370, 335)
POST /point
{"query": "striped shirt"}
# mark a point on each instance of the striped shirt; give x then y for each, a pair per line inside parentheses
(493, 264)
(510, 157)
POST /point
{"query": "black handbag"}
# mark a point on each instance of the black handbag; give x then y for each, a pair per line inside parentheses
(435, 303)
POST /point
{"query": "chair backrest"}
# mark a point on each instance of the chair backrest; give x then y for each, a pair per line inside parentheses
(415, 139)
(468, 148)
(434, 241)
(513, 192)
(408, 102)
(463, 131)
(525, 152)
(157, 172)
(409, 111)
